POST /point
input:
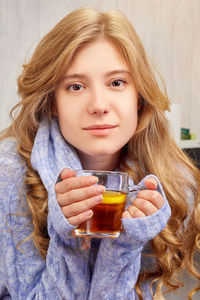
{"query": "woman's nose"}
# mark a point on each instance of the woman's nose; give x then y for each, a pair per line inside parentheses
(98, 102)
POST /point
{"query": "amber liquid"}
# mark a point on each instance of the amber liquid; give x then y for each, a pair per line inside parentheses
(106, 220)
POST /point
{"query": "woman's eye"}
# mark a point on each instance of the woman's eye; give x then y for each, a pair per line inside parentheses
(75, 87)
(118, 82)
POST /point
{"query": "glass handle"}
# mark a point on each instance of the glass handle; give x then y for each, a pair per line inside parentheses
(136, 189)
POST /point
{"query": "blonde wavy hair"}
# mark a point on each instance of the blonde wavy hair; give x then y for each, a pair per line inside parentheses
(152, 149)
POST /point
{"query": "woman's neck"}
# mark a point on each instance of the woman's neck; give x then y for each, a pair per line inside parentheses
(104, 162)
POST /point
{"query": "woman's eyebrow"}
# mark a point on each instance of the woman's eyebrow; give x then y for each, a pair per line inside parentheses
(75, 76)
(119, 71)
(107, 74)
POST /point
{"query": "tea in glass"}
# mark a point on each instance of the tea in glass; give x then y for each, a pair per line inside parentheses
(106, 219)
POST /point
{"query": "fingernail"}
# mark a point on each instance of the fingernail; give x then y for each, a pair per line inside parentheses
(89, 213)
(65, 173)
(100, 189)
(153, 182)
(93, 180)
(98, 198)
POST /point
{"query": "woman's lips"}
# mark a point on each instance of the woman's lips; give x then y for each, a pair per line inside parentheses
(100, 130)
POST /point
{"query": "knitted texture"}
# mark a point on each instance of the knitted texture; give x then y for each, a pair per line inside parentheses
(66, 273)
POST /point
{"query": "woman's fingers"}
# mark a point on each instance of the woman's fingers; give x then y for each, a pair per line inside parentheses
(80, 218)
(145, 206)
(67, 173)
(73, 182)
(133, 212)
(154, 197)
(147, 202)
(151, 183)
(81, 206)
(141, 208)
(79, 194)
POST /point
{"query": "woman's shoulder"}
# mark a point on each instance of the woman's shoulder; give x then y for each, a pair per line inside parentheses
(10, 159)
(12, 170)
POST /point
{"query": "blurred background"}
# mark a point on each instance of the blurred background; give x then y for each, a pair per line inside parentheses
(169, 31)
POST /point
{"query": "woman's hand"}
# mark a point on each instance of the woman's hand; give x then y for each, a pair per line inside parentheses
(147, 201)
(77, 196)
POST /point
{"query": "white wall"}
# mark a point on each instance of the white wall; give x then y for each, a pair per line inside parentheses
(169, 30)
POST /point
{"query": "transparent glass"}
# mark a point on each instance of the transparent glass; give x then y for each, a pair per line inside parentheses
(106, 220)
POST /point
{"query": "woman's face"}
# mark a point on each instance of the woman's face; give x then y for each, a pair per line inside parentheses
(97, 102)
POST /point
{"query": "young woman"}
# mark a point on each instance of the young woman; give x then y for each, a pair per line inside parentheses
(90, 100)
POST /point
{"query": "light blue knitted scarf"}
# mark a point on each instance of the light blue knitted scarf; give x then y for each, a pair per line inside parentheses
(50, 154)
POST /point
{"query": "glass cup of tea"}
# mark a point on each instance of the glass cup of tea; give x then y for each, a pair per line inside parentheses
(106, 219)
